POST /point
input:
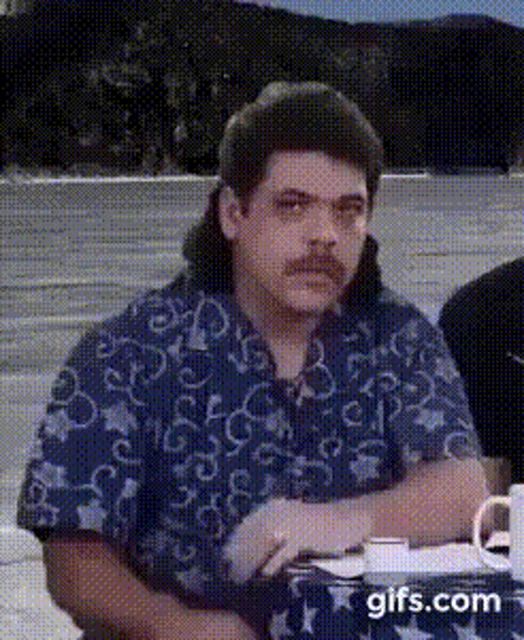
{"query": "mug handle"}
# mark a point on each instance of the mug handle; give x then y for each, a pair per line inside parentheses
(499, 563)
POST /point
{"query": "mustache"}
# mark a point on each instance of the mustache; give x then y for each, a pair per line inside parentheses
(324, 263)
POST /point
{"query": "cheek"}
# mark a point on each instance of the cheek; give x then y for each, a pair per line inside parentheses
(349, 250)
(265, 247)
(362, 227)
(273, 241)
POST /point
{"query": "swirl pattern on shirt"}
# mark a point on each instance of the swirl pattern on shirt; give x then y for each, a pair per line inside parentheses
(167, 426)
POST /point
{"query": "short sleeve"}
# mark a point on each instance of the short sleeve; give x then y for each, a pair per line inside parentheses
(86, 465)
(428, 416)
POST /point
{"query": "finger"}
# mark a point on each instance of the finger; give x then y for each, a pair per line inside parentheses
(246, 560)
(241, 570)
(285, 555)
(231, 551)
(277, 543)
(239, 562)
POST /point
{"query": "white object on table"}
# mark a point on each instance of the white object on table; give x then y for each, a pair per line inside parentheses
(385, 554)
(498, 539)
(449, 558)
(515, 503)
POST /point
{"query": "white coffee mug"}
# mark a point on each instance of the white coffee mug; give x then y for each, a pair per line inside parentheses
(515, 562)
(385, 561)
(385, 555)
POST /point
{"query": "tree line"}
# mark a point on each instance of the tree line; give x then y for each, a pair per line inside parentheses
(147, 85)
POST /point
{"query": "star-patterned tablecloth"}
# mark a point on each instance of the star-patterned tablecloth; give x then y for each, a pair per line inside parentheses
(321, 606)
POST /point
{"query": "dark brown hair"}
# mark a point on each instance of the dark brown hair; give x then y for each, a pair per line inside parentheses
(307, 116)
(297, 116)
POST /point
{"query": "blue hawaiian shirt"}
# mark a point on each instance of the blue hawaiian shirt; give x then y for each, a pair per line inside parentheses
(167, 426)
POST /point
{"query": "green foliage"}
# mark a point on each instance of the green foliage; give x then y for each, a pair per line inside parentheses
(152, 91)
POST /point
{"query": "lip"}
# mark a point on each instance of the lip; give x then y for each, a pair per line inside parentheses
(322, 272)
(319, 270)
(316, 275)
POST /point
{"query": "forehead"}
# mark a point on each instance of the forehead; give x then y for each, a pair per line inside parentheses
(313, 172)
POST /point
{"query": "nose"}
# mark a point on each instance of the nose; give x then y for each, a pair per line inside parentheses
(321, 229)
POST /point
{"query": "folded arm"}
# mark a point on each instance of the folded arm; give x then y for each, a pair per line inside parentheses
(89, 580)
(434, 503)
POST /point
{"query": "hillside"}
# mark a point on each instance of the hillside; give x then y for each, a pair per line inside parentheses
(146, 85)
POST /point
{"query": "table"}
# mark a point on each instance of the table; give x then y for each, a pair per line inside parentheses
(321, 606)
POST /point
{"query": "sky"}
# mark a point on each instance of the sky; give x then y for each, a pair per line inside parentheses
(511, 11)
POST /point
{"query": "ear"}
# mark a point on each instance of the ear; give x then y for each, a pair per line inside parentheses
(229, 212)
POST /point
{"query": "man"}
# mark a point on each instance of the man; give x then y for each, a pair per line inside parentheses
(275, 400)
(483, 323)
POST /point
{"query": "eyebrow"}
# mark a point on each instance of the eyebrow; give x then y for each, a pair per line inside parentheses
(294, 192)
(343, 199)
(353, 197)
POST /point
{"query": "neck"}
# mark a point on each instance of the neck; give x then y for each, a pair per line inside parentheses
(275, 325)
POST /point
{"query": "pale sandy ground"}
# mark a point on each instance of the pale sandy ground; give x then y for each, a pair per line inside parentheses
(26, 610)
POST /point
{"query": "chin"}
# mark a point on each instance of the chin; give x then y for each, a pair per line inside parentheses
(310, 305)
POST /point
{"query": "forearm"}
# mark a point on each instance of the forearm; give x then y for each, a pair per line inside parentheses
(435, 503)
(87, 579)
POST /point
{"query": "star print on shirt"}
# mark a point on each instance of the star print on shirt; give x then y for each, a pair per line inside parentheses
(192, 579)
(174, 451)
(445, 369)
(308, 616)
(51, 475)
(119, 418)
(278, 424)
(412, 632)
(48, 516)
(296, 581)
(411, 456)
(197, 340)
(466, 633)
(340, 596)
(520, 599)
(36, 450)
(57, 425)
(92, 516)
(430, 419)
(365, 467)
(278, 627)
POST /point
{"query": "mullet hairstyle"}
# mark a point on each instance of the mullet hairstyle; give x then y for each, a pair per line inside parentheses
(305, 116)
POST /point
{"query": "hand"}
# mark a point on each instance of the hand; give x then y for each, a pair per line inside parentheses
(260, 534)
(325, 528)
(171, 624)
(281, 530)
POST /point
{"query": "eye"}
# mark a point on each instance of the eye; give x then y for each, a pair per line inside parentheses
(291, 206)
(350, 212)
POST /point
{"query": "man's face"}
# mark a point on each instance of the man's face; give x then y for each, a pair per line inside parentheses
(298, 240)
